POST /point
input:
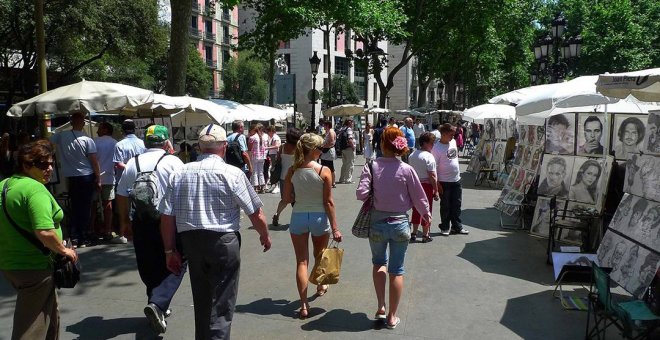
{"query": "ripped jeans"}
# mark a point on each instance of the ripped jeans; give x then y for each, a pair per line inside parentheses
(391, 229)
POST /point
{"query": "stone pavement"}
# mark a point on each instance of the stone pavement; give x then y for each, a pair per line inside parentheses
(490, 284)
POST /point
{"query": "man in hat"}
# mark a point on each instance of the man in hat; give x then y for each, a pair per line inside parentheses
(77, 155)
(149, 252)
(206, 197)
(126, 149)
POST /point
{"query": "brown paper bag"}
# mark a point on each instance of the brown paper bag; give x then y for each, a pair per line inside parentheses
(327, 266)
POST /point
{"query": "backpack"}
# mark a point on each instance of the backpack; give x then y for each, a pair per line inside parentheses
(144, 194)
(342, 139)
(234, 155)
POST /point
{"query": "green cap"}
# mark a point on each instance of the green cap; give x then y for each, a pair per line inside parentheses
(156, 134)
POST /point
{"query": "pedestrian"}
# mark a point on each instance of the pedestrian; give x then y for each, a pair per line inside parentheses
(418, 128)
(32, 208)
(392, 123)
(476, 131)
(138, 211)
(257, 149)
(329, 153)
(346, 143)
(77, 155)
(424, 164)
(202, 205)
(458, 136)
(105, 150)
(368, 137)
(314, 212)
(449, 177)
(238, 128)
(286, 157)
(7, 163)
(396, 189)
(273, 147)
(435, 131)
(320, 128)
(378, 132)
(409, 134)
(125, 150)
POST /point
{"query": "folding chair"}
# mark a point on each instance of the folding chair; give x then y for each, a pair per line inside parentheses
(485, 173)
(632, 318)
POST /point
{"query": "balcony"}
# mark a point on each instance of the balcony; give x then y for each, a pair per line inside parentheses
(210, 36)
(195, 33)
(226, 16)
(211, 64)
(208, 11)
(195, 6)
(226, 39)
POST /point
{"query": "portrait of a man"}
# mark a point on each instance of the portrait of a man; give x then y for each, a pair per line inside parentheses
(559, 134)
(590, 135)
(652, 143)
(630, 132)
(555, 176)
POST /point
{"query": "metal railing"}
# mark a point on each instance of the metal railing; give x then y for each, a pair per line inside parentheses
(226, 39)
(211, 63)
(209, 36)
(195, 6)
(195, 33)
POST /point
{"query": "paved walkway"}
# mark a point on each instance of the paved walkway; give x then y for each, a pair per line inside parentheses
(491, 284)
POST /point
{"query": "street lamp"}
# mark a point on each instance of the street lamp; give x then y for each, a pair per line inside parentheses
(554, 52)
(314, 62)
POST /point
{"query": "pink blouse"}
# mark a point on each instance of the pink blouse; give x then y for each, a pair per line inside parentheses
(396, 187)
(258, 146)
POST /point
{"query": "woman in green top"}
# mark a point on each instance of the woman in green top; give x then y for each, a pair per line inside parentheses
(32, 207)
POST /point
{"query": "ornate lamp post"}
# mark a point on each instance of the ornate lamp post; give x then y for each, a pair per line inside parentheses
(314, 62)
(562, 50)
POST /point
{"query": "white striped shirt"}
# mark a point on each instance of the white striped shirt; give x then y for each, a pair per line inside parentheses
(207, 195)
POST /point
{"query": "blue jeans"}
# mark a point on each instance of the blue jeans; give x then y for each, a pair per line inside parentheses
(393, 231)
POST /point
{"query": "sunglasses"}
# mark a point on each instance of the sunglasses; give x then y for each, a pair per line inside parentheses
(43, 165)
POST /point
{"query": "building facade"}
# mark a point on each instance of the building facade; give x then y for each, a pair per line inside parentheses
(213, 30)
(405, 93)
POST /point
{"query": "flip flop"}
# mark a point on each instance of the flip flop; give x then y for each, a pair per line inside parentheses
(396, 323)
(380, 317)
(323, 290)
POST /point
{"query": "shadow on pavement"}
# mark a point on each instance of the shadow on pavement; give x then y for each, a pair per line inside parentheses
(268, 306)
(341, 320)
(95, 327)
(103, 262)
(484, 219)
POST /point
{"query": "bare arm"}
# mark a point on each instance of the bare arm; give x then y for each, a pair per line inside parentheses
(246, 159)
(51, 241)
(329, 203)
(259, 223)
(437, 190)
(288, 195)
(173, 258)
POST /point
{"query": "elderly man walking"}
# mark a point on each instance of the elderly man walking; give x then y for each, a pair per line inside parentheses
(202, 204)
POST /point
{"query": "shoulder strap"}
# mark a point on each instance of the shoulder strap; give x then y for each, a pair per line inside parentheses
(160, 159)
(320, 169)
(31, 238)
(137, 164)
(371, 172)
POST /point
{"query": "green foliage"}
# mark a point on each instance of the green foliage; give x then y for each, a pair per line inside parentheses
(244, 79)
(199, 78)
(343, 85)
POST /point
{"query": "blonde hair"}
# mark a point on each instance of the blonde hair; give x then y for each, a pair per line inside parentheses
(306, 143)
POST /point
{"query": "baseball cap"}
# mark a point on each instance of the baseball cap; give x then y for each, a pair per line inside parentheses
(128, 125)
(156, 134)
(216, 131)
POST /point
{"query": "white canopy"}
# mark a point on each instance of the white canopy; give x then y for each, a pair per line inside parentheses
(643, 85)
(345, 110)
(237, 111)
(622, 106)
(262, 112)
(481, 112)
(84, 96)
(516, 96)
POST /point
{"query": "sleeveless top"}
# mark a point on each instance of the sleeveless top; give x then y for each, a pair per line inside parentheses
(287, 162)
(308, 186)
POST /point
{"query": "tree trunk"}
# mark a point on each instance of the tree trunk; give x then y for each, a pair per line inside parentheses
(422, 86)
(177, 60)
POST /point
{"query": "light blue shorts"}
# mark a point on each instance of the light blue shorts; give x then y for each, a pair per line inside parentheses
(316, 223)
(393, 232)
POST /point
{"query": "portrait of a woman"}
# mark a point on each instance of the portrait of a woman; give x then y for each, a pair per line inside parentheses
(585, 187)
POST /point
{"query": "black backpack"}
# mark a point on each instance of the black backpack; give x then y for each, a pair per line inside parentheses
(234, 155)
(342, 139)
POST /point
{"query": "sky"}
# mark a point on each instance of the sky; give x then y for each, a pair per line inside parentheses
(165, 11)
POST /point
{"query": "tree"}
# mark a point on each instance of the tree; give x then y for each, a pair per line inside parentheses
(244, 79)
(199, 78)
(340, 84)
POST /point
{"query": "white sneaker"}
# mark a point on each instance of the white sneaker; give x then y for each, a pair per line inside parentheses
(156, 318)
(119, 240)
(276, 190)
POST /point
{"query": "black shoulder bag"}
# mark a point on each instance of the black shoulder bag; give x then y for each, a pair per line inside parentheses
(66, 274)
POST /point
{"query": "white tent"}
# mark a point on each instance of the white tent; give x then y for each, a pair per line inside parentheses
(262, 112)
(643, 85)
(516, 96)
(345, 110)
(237, 111)
(481, 112)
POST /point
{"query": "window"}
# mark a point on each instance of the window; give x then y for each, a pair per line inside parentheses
(208, 25)
(225, 57)
(325, 84)
(359, 87)
(326, 63)
(360, 70)
(208, 52)
(193, 21)
(341, 66)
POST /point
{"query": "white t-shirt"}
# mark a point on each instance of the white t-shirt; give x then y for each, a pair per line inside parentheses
(73, 147)
(105, 149)
(446, 158)
(437, 134)
(148, 160)
(423, 162)
(418, 129)
(275, 141)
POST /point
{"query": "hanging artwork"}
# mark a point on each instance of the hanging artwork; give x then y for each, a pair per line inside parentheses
(517, 183)
(512, 177)
(500, 129)
(652, 138)
(643, 176)
(522, 138)
(511, 128)
(489, 129)
(586, 180)
(559, 134)
(540, 135)
(531, 134)
(590, 139)
(541, 221)
(527, 156)
(537, 156)
(628, 135)
(487, 152)
(498, 154)
(555, 176)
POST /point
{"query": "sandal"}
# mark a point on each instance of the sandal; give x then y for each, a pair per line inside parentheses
(276, 220)
(426, 239)
(397, 321)
(380, 316)
(323, 290)
(303, 313)
(413, 238)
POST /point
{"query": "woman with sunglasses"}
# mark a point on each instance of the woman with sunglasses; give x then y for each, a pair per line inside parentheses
(309, 184)
(32, 208)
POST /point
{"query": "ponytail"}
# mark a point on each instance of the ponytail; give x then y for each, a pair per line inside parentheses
(298, 156)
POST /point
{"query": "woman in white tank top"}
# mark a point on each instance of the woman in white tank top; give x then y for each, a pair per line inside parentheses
(310, 185)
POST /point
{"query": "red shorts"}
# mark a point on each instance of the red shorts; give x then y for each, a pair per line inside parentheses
(428, 190)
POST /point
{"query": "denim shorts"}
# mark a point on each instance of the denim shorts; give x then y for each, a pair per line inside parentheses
(395, 232)
(316, 223)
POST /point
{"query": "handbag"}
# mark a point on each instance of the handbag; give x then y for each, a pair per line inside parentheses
(327, 265)
(363, 220)
(66, 274)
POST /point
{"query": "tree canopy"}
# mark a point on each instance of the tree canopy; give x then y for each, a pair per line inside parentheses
(244, 79)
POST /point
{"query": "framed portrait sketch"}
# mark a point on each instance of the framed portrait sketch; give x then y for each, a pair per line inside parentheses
(628, 135)
(474, 164)
(512, 177)
(652, 138)
(518, 181)
(643, 176)
(527, 156)
(498, 154)
(527, 182)
(500, 129)
(556, 174)
(522, 134)
(510, 128)
(489, 129)
(560, 134)
(590, 137)
(587, 180)
(537, 156)
(541, 221)
(487, 151)
(540, 135)
(531, 135)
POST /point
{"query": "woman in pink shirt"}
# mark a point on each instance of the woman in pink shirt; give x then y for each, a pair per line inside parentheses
(257, 148)
(396, 189)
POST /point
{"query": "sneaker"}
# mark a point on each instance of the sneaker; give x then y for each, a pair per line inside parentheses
(276, 220)
(119, 240)
(463, 231)
(276, 190)
(85, 244)
(444, 232)
(156, 318)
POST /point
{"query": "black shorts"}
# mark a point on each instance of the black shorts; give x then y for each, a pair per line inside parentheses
(329, 164)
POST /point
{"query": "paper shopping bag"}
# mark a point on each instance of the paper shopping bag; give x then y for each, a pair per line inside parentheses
(327, 266)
